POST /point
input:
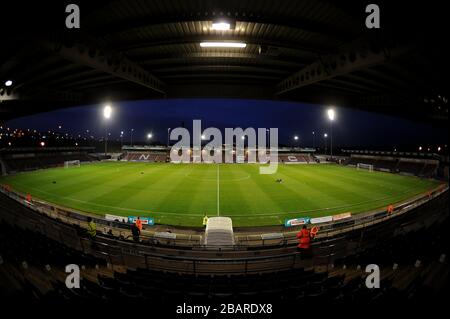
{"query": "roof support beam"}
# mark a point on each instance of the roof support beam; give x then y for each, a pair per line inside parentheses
(8, 95)
(230, 58)
(331, 66)
(118, 66)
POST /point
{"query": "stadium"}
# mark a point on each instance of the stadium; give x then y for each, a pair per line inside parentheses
(319, 173)
(204, 186)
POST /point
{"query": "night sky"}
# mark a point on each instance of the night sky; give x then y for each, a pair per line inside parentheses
(352, 128)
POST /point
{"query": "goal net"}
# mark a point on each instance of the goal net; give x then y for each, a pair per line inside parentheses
(68, 164)
(368, 167)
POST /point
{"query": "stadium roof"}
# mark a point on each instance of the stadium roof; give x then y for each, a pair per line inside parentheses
(310, 51)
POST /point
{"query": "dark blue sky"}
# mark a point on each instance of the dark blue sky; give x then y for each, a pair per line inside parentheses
(351, 128)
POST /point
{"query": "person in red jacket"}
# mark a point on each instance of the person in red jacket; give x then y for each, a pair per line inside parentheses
(139, 223)
(304, 240)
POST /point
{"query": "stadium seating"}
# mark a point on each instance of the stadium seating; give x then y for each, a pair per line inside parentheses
(294, 158)
(145, 156)
(20, 161)
(33, 268)
(419, 167)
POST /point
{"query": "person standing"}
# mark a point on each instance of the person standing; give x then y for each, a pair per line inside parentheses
(135, 232)
(92, 228)
(304, 241)
(139, 223)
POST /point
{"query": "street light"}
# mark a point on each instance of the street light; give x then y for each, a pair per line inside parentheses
(121, 138)
(107, 110)
(331, 116)
(325, 135)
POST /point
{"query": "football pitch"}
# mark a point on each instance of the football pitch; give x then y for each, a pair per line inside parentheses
(180, 194)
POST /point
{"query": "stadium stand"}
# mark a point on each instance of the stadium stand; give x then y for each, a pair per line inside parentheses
(145, 156)
(294, 158)
(16, 160)
(158, 156)
(414, 166)
(32, 267)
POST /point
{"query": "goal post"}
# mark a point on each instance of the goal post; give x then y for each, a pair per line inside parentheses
(368, 167)
(75, 163)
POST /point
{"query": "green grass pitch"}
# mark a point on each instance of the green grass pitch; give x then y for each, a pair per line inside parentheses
(180, 194)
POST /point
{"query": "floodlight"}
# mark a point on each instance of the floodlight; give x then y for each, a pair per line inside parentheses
(107, 110)
(8, 83)
(331, 114)
(325, 135)
(223, 44)
(149, 135)
(221, 26)
(296, 137)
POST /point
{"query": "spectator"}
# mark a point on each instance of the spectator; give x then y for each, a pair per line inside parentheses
(135, 232)
(205, 220)
(304, 237)
(390, 209)
(92, 228)
(139, 223)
